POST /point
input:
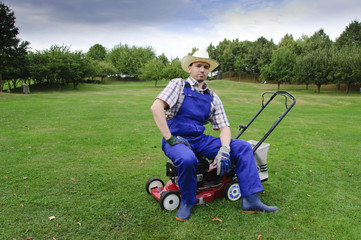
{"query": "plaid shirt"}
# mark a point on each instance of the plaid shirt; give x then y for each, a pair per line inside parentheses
(173, 95)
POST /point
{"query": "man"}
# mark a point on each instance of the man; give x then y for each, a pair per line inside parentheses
(180, 112)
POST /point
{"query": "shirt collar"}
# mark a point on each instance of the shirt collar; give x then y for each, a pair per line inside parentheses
(195, 84)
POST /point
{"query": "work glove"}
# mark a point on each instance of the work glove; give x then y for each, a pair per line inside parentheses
(178, 139)
(223, 160)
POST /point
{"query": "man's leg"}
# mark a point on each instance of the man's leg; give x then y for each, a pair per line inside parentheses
(248, 177)
(245, 167)
(186, 163)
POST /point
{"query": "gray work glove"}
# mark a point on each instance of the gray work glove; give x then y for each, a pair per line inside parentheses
(178, 139)
(223, 160)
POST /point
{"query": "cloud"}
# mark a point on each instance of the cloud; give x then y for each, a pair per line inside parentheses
(174, 27)
(275, 19)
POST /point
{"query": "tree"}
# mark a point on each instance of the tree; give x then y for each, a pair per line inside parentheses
(153, 71)
(351, 35)
(59, 66)
(174, 70)
(104, 69)
(281, 67)
(163, 58)
(259, 55)
(97, 52)
(9, 43)
(288, 42)
(302, 73)
(346, 66)
(18, 66)
(130, 60)
(320, 67)
(319, 40)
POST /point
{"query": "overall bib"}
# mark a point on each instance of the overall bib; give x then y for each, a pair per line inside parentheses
(189, 124)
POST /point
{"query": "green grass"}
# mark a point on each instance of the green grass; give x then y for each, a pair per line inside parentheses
(85, 155)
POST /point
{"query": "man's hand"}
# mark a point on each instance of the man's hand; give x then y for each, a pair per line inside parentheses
(175, 140)
(223, 160)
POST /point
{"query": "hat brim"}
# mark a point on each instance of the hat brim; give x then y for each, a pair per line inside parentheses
(188, 60)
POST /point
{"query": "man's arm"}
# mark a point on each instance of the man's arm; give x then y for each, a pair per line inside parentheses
(158, 109)
(225, 136)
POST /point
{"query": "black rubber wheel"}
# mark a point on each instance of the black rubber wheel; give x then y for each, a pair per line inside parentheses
(154, 182)
(169, 201)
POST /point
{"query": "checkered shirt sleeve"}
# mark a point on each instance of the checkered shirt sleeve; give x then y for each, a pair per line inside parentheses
(218, 117)
(173, 95)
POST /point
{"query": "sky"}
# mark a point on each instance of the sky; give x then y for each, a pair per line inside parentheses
(174, 27)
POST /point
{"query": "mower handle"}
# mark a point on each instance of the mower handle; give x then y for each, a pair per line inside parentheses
(286, 95)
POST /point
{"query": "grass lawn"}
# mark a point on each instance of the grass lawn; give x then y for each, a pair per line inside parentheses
(83, 157)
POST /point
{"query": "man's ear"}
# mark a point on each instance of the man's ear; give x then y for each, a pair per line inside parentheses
(189, 69)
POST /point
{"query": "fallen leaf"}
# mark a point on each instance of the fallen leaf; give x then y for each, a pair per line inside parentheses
(51, 218)
(27, 230)
(308, 195)
(216, 219)
(24, 178)
(350, 175)
(6, 177)
(259, 237)
(79, 223)
(332, 208)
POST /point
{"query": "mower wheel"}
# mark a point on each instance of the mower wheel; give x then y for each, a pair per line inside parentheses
(153, 183)
(232, 191)
(169, 200)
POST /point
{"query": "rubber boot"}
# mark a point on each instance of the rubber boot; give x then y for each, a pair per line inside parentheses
(252, 204)
(184, 212)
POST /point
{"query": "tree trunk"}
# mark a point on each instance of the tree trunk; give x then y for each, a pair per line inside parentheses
(279, 85)
(318, 88)
(348, 88)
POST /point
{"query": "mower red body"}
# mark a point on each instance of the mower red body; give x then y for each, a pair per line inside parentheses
(205, 193)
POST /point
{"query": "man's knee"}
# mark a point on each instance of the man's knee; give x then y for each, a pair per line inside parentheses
(187, 162)
(239, 145)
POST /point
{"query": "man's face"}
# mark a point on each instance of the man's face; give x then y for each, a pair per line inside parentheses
(199, 71)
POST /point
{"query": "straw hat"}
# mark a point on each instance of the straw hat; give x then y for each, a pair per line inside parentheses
(199, 56)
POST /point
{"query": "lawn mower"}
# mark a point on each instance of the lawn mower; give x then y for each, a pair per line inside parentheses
(209, 185)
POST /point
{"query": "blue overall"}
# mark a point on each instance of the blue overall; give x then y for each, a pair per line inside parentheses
(189, 123)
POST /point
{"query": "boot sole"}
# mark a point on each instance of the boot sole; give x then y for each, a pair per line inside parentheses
(251, 212)
(181, 219)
